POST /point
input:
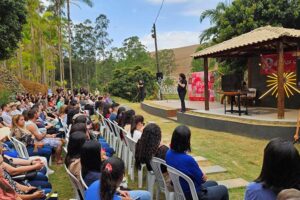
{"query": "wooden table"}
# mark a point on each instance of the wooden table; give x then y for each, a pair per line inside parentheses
(232, 96)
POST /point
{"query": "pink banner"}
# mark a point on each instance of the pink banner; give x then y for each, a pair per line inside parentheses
(196, 87)
(269, 63)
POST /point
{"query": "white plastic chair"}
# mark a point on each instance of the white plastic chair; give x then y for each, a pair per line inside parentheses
(20, 148)
(76, 185)
(156, 164)
(125, 149)
(175, 176)
(131, 144)
(23, 153)
(119, 141)
(103, 127)
(82, 181)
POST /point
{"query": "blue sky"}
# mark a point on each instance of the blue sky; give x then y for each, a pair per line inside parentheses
(178, 24)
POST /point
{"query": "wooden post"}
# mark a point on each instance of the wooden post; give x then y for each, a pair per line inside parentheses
(280, 72)
(250, 67)
(206, 83)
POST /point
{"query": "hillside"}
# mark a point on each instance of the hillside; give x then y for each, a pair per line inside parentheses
(183, 59)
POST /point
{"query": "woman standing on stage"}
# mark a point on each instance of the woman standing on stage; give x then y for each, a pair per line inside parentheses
(181, 89)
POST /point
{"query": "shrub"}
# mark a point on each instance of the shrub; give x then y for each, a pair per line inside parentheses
(124, 82)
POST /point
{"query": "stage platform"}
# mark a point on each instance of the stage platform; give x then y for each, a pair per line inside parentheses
(261, 122)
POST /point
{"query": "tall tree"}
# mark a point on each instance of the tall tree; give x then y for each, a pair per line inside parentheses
(84, 50)
(89, 3)
(12, 19)
(102, 39)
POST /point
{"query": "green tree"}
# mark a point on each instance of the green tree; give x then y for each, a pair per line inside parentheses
(134, 53)
(243, 16)
(84, 51)
(123, 83)
(167, 61)
(12, 19)
(89, 3)
(102, 41)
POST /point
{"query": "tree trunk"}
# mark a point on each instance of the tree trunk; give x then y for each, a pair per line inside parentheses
(70, 47)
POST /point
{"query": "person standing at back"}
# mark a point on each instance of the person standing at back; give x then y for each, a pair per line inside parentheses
(181, 89)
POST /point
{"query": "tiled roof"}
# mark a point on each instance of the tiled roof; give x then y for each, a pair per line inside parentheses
(259, 35)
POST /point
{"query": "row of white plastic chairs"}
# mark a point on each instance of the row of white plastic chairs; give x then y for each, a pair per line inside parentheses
(124, 147)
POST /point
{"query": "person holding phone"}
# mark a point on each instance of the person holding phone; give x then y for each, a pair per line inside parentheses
(181, 89)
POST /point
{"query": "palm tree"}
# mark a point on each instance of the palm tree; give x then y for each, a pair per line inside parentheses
(89, 3)
(214, 16)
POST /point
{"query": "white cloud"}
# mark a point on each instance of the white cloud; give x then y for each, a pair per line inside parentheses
(173, 39)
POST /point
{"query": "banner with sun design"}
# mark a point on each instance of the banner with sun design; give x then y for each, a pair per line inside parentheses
(269, 63)
(290, 86)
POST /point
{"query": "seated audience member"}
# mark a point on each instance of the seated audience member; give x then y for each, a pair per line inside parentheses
(178, 158)
(83, 128)
(137, 127)
(22, 191)
(14, 111)
(72, 160)
(38, 179)
(73, 109)
(7, 119)
(6, 191)
(112, 173)
(91, 161)
(149, 146)
(114, 112)
(289, 194)
(50, 140)
(99, 104)
(280, 171)
(60, 103)
(120, 113)
(126, 120)
(107, 110)
(20, 132)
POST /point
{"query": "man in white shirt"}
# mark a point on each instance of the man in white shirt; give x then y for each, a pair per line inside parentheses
(5, 115)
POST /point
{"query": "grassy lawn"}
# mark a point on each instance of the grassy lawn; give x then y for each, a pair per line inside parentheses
(241, 156)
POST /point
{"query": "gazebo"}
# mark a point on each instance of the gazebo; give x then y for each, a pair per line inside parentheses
(263, 40)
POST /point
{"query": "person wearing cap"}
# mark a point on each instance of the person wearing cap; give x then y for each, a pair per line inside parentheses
(114, 113)
(7, 119)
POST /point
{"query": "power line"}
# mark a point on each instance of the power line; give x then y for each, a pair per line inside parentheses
(162, 3)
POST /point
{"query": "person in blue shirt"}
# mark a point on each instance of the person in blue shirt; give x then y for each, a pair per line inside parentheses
(280, 171)
(112, 173)
(114, 113)
(178, 158)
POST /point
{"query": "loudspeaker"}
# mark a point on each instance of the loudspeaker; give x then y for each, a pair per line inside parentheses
(298, 72)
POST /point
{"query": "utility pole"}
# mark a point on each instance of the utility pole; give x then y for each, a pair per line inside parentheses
(159, 75)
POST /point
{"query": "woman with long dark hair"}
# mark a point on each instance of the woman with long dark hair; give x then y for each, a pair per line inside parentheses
(149, 146)
(126, 120)
(178, 157)
(120, 113)
(137, 126)
(91, 161)
(280, 170)
(181, 89)
(72, 160)
(112, 173)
